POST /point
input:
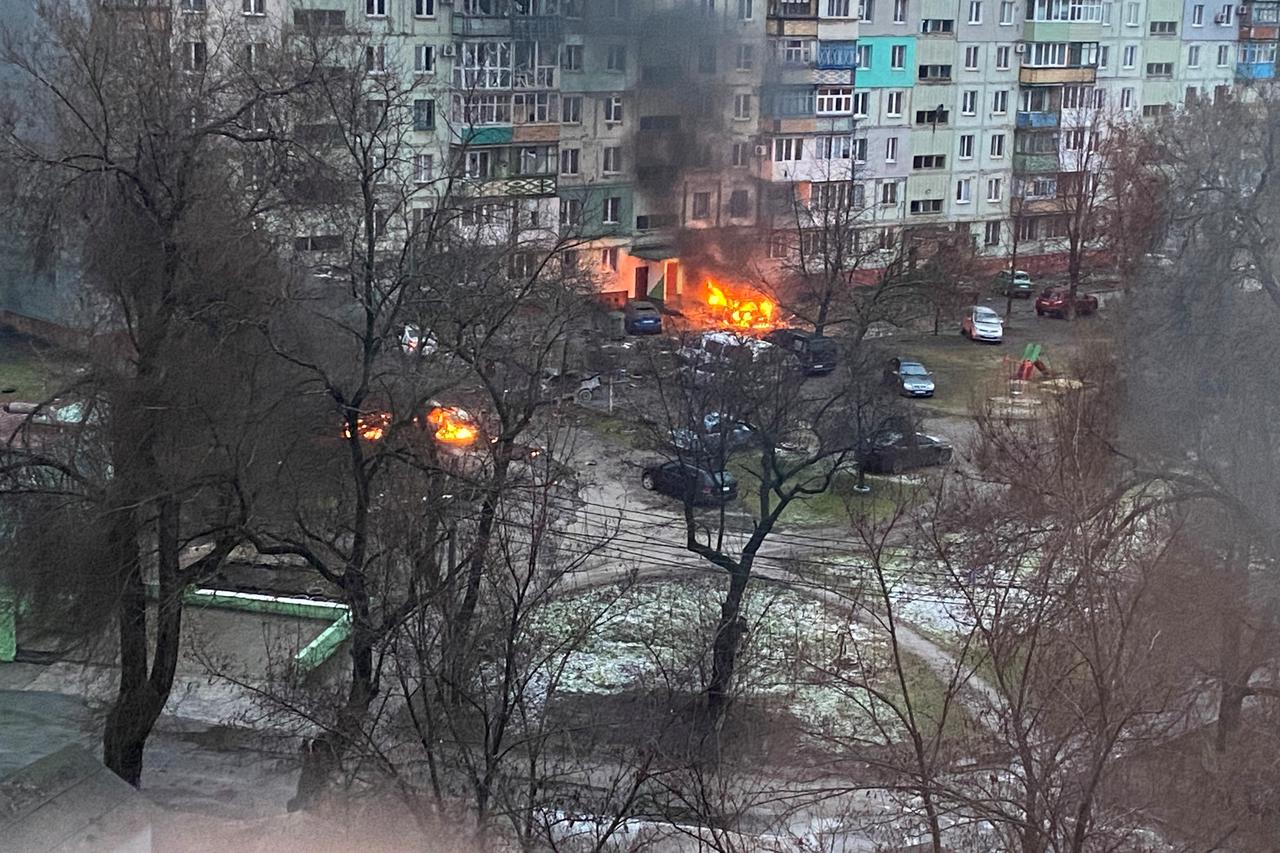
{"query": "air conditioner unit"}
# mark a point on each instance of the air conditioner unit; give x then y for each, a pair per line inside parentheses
(1219, 19)
(1242, 10)
(449, 51)
(1019, 48)
(762, 150)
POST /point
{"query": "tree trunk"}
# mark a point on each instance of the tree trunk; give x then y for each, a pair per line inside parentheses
(724, 648)
(1233, 673)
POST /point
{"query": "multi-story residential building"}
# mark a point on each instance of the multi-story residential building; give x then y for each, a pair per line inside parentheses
(664, 136)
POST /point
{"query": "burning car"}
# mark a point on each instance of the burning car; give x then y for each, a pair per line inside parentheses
(452, 426)
(746, 311)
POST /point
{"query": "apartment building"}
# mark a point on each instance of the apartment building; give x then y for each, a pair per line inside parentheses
(664, 136)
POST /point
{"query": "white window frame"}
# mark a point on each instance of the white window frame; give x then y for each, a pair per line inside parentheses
(375, 59)
(611, 214)
(742, 107)
(1000, 102)
(969, 102)
(897, 57)
(424, 166)
(1193, 56)
(1197, 15)
(891, 149)
(1129, 56)
(966, 146)
(424, 59)
(570, 161)
(254, 8)
(893, 104)
(996, 146)
(1006, 13)
(899, 11)
(975, 11)
(611, 160)
(964, 191)
(613, 114)
(995, 190)
(375, 8)
(1002, 57)
(972, 57)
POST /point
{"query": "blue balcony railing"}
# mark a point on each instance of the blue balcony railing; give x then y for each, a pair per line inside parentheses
(1256, 70)
(1036, 119)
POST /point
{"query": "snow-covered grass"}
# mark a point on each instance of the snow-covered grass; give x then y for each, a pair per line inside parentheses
(799, 655)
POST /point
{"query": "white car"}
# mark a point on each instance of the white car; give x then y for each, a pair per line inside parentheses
(411, 339)
(722, 347)
(981, 323)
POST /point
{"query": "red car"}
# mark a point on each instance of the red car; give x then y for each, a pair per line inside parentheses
(1054, 301)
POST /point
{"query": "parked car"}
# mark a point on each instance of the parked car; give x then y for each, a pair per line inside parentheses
(714, 433)
(722, 348)
(569, 385)
(893, 452)
(817, 353)
(642, 318)
(412, 341)
(980, 323)
(1054, 300)
(1014, 283)
(690, 483)
(911, 378)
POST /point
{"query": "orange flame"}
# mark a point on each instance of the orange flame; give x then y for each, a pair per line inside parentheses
(452, 425)
(370, 427)
(749, 312)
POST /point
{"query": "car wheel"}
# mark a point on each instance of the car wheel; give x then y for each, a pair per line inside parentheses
(583, 396)
(646, 480)
(1039, 313)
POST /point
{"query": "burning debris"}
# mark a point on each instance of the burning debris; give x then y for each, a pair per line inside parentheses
(453, 426)
(748, 311)
(371, 427)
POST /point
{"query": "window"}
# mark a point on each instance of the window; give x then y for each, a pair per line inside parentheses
(964, 190)
(192, 5)
(193, 56)
(701, 206)
(866, 10)
(571, 57)
(1131, 14)
(889, 192)
(788, 148)
(1159, 69)
(861, 104)
(1099, 98)
(835, 147)
(1224, 16)
(838, 8)
(253, 55)
(423, 168)
(479, 164)
(375, 8)
(993, 189)
(1164, 28)
(1193, 56)
(569, 161)
(935, 116)
(936, 25)
(1197, 15)
(424, 114)
(739, 204)
(1073, 140)
(935, 72)
(254, 7)
(742, 106)
(570, 211)
(1224, 55)
(424, 8)
(571, 109)
(899, 11)
(1028, 228)
(319, 19)
(991, 233)
(997, 145)
(609, 256)
(1252, 53)
(375, 59)
(746, 57)
(927, 205)
(741, 154)
(891, 149)
(860, 150)
(975, 11)
(863, 56)
(1073, 97)
(613, 109)
(1156, 110)
(424, 58)
(971, 58)
(1006, 13)
(1000, 102)
(929, 161)
(1104, 56)
(612, 160)
(837, 101)
(616, 58)
(893, 104)
(796, 51)
(969, 102)
(898, 57)
(612, 216)
(1130, 57)
(966, 146)
(745, 10)
(1126, 98)
(1002, 57)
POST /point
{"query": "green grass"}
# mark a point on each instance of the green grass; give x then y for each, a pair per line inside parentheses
(613, 429)
(833, 506)
(29, 370)
(960, 368)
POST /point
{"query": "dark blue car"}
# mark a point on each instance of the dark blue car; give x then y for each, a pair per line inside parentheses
(642, 318)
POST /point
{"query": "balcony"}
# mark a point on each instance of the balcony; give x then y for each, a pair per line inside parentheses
(838, 56)
(1051, 76)
(523, 185)
(1033, 164)
(1255, 71)
(1029, 120)
(466, 25)
(802, 10)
